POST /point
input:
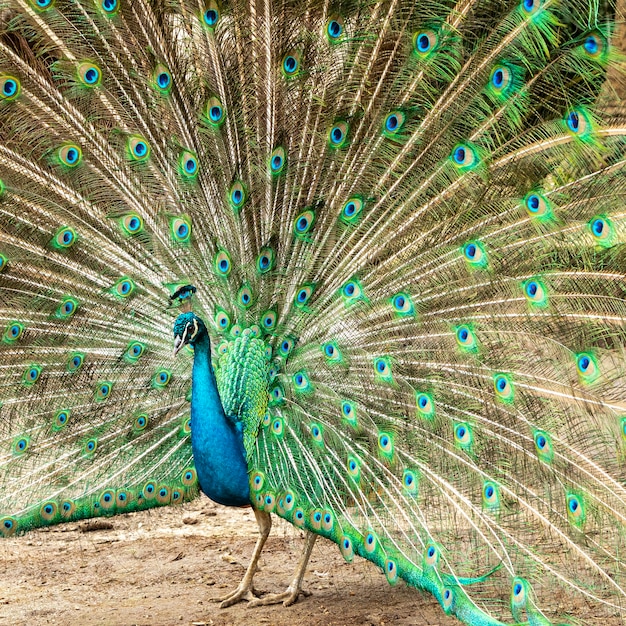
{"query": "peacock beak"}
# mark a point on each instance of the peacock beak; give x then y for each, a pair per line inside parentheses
(178, 344)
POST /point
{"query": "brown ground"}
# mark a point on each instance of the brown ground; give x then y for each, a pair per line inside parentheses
(165, 567)
(156, 568)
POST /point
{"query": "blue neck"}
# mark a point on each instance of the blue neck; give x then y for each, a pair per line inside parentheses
(217, 445)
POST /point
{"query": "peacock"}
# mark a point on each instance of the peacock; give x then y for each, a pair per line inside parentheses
(389, 238)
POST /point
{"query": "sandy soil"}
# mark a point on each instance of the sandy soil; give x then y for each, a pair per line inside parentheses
(165, 567)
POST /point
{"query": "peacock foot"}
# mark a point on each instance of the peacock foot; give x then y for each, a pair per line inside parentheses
(244, 592)
(288, 597)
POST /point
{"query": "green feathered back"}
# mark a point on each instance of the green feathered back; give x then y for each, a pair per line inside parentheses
(415, 210)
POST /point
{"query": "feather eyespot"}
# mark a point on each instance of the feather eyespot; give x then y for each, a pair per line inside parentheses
(448, 599)
(349, 412)
(464, 157)
(425, 405)
(64, 238)
(587, 366)
(222, 320)
(61, 420)
(402, 305)
(286, 346)
(385, 445)
(89, 74)
(161, 379)
(475, 255)
(463, 435)
(140, 422)
(9, 87)
(138, 149)
(425, 42)
(575, 509)
(162, 78)
(347, 549)
(465, 338)
(13, 332)
(188, 165)
(316, 520)
(277, 395)
(189, 477)
(134, 351)
(277, 160)
(299, 518)
(124, 288)
(211, 16)
(602, 231)
(90, 447)
(8, 526)
(67, 308)
(70, 155)
(543, 445)
(291, 63)
(502, 80)
(180, 229)
(68, 508)
(237, 195)
(334, 28)
(578, 123)
(245, 298)
(538, 206)
(222, 263)
(164, 494)
(595, 45)
(42, 5)
(131, 224)
(32, 374)
(214, 111)
(535, 293)
(352, 292)
(268, 320)
(351, 210)
(328, 521)
(20, 445)
(110, 7)
(530, 7)
(519, 594)
(103, 390)
(303, 295)
(431, 556)
(491, 495)
(393, 123)
(382, 369)
(75, 362)
(301, 382)
(338, 134)
(265, 260)
(370, 543)
(303, 224)
(409, 482)
(354, 468)
(278, 427)
(504, 388)
(331, 352)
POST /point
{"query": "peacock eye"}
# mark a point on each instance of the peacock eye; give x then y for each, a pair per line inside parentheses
(291, 63)
(188, 165)
(277, 160)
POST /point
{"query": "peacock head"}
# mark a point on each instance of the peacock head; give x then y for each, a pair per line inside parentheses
(187, 328)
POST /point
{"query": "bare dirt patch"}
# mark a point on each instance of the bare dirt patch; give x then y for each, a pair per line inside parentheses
(165, 567)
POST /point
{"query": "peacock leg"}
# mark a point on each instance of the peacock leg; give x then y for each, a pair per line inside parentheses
(290, 595)
(245, 591)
